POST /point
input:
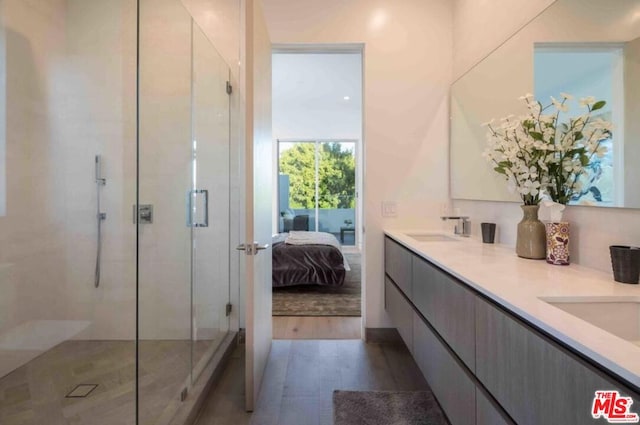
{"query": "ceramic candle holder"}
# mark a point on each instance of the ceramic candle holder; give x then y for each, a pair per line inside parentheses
(558, 243)
(625, 261)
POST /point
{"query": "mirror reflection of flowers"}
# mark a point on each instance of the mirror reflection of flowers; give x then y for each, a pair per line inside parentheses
(547, 152)
(576, 144)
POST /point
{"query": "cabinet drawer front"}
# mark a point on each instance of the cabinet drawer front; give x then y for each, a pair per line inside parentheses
(487, 413)
(426, 288)
(455, 391)
(400, 312)
(534, 379)
(448, 306)
(397, 264)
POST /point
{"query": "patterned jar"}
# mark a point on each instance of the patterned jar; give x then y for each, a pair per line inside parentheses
(558, 243)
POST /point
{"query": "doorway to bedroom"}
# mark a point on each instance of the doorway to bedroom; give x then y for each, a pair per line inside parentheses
(317, 208)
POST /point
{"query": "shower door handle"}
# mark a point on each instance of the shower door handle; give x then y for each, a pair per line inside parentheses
(192, 198)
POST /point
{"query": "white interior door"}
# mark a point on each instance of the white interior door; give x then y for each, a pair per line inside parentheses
(258, 195)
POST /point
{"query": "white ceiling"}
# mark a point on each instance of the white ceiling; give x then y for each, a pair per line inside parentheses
(317, 81)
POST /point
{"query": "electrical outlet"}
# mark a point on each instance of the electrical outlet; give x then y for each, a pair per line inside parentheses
(389, 209)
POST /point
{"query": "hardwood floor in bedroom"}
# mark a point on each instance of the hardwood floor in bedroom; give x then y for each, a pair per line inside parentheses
(316, 327)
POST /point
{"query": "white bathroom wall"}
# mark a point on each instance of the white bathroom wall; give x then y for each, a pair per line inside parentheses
(66, 102)
(220, 21)
(479, 26)
(94, 113)
(407, 71)
(593, 229)
(32, 231)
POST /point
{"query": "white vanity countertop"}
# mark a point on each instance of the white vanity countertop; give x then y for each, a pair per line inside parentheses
(517, 283)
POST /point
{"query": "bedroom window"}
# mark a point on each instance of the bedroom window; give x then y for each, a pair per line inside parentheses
(317, 187)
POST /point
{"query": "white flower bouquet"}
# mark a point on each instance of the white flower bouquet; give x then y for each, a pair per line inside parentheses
(540, 152)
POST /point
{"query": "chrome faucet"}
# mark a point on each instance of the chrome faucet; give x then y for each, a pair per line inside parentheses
(463, 227)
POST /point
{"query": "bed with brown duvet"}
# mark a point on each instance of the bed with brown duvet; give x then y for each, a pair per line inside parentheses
(307, 258)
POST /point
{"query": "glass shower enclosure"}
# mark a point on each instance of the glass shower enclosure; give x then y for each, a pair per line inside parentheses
(115, 180)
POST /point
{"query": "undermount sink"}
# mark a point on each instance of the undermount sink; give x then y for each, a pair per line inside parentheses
(616, 315)
(431, 237)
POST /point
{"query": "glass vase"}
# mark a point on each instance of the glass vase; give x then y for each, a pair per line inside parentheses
(531, 240)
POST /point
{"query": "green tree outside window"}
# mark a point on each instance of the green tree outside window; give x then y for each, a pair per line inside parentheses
(336, 175)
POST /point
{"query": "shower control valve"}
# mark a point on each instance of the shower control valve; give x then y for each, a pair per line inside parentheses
(145, 214)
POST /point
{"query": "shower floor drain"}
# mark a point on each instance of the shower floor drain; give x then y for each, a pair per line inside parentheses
(81, 391)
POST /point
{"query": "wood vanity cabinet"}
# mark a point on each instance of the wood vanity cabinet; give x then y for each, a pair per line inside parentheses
(487, 413)
(451, 384)
(400, 311)
(397, 265)
(535, 380)
(448, 306)
(485, 365)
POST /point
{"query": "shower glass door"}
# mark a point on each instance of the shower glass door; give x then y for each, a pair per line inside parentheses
(183, 249)
(164, 179)
(210, 273)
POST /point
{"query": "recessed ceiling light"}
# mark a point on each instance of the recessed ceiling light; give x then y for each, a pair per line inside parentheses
(346, 98)
(378, 19)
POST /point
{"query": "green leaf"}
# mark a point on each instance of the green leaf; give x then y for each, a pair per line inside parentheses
(500, 170)
(584, 160)
(598, 105)
(535, 135)
(576, 151)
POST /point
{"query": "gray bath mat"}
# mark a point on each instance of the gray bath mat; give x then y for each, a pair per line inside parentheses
(386, 408)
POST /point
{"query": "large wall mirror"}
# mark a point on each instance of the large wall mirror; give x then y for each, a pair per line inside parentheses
(581, 47)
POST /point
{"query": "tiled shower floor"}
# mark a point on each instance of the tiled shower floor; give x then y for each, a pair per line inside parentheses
(34, 394)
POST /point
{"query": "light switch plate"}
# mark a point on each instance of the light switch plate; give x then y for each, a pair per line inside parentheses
(389, 209)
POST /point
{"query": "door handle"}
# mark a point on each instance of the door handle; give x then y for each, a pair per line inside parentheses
(252, 249)
(191, 197)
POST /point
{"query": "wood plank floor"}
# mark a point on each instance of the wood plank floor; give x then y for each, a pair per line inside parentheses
(301, 376)
(316, 327)
(34, 394)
